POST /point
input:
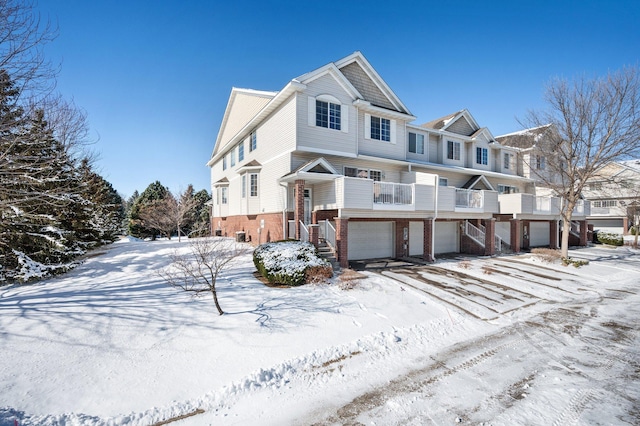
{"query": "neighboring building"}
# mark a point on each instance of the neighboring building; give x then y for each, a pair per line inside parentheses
(336, 147)
(534, 163)
(615, 197)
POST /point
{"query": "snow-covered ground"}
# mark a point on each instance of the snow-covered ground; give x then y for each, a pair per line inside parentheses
(489, 341)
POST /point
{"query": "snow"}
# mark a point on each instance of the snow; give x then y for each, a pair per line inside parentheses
(508, 340)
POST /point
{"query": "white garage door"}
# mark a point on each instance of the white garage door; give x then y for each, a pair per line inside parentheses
(370, 240)
(615, 226)
(446, 236)
(416, 238)
(538, 234)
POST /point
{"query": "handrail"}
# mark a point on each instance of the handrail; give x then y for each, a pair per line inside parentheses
(304, 233)
(474, 233)
(329, 234)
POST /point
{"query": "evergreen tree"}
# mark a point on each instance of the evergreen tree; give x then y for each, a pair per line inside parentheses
(153, 192)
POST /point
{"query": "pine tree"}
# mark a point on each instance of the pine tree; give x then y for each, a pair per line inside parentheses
(153, 192)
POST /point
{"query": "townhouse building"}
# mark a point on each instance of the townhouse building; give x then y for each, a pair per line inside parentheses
(335, 155)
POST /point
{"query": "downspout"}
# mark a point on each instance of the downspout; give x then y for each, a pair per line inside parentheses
(285, 185)
(435, 216)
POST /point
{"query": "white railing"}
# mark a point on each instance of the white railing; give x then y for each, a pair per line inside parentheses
(498, 243)
(474, 232)
(575, 227)
(392, 193)
(291, 229)
(469, 198)
(304, 233)
(329, 234)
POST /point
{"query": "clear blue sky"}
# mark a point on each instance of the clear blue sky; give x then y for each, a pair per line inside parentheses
(155, 76)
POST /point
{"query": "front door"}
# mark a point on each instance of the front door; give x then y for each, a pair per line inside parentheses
(307, 206)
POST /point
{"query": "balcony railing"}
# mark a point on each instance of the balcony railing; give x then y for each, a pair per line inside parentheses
(469, 198)
(392, 193)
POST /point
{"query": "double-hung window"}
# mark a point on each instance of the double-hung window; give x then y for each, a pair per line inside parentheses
(541, 162)
(224, 162)
(253, 142)
(328, 115)
(363, 173)
(253, 184)
(453, 150)
(244, 186)
(416, 143)
(381, 129)
(232, 154)
(508, 159)
(482, 156)
(223, 195)
(241, 151)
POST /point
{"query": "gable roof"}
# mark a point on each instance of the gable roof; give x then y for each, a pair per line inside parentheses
(524, 139)
(460, 122)
(242, 106)
(361, 80)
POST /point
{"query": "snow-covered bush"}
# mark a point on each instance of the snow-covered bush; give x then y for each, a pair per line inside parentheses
(290, 262)
(610, 238)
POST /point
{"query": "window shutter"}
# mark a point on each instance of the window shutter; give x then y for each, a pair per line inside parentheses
(344, 118)
(367, 126)
(393, 131)
(312, 111)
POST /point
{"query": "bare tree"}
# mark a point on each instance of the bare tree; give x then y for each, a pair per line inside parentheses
(198, 271)
(169, 214)
(22, 38)
(157, 215)
(588, 124)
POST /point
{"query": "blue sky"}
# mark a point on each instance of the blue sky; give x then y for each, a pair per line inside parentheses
(155, 76)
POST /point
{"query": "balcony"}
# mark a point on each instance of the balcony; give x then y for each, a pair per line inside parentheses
(582, 208)
(529, 204)
(462, 200)
(365, 194)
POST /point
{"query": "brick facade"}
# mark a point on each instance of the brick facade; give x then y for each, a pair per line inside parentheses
(249, 224)
(428, 240)
(515, 235)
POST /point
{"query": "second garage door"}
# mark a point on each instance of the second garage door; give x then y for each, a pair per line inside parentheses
(538, 234)
(446, 237)
(370, 240)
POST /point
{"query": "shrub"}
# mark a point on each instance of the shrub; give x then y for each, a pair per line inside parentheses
(291, 263)
(610, 238)
(546, 254)
(566, 261)
(632, 230)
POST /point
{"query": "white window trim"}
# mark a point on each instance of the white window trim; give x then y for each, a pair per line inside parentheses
(344, 112)
(484, 153)
(367, 129)
(251, 176)
(417, 151)
(459, 150)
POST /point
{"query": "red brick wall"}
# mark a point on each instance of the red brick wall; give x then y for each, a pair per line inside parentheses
(249, 224)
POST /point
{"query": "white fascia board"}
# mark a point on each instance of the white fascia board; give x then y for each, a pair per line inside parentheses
(227, 111)
(366, 106)
(308, 149)
(292, 87)
(442, 167)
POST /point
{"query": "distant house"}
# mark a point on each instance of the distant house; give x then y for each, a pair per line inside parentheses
(335, 156)
(615, 197)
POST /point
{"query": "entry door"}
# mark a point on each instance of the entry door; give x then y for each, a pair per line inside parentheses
(307, 206)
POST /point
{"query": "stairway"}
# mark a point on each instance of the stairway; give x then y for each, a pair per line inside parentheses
(325, 252)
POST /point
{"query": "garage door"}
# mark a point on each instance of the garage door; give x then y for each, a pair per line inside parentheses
(370, 240)
(416, 238)
(538, 234)
(446, 236)
(615, 226)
